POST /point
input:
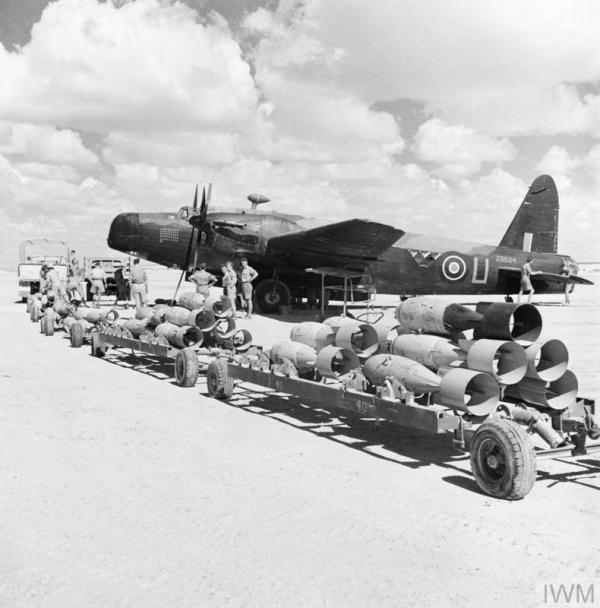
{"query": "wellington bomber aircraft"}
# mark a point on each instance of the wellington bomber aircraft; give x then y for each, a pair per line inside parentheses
(290, 252)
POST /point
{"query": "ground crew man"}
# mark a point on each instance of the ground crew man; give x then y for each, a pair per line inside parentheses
(98, 284)
(43, 278)
(75, 282)
(203, 280)
(229, 281)
(138, 281)
(565, 269)
(526, 285)
(248, 275)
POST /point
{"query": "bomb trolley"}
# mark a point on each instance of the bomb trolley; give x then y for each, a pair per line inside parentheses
(502, 453)
(188, 362)
(186, 365)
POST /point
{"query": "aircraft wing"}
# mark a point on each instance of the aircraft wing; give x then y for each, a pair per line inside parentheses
(550, 277)
(351, 242)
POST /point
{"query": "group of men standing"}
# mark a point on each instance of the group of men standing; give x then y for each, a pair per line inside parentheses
(204, 280)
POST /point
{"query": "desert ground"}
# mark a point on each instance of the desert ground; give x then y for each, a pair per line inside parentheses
(120, 489)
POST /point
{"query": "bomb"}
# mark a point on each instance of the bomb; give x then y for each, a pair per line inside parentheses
(435, 317)
(180, 337)
(431, 351)
(414, 376)
(315, 335)
(303, 357)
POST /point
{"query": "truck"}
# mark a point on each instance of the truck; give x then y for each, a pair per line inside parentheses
(33, 253)
(109, 266)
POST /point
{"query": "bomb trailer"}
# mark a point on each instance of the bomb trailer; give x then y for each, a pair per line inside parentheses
(503, 445)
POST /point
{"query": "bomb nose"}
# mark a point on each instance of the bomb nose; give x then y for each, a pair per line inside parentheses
(124, 232)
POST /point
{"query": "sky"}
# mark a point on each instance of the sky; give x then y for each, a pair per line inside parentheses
(431, 115)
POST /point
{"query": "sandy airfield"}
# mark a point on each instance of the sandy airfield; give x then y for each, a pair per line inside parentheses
(118, 488)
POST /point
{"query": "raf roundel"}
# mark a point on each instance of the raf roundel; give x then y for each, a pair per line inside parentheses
(454, 268)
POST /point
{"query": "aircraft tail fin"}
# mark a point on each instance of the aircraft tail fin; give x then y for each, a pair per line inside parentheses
(535, 225)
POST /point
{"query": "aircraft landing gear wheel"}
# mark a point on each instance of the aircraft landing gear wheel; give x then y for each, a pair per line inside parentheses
(186, 367)
(271, 295)
(218, 381)
(76, 335)
(503, 459)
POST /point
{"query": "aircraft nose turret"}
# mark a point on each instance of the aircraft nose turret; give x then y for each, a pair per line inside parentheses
(124, 232)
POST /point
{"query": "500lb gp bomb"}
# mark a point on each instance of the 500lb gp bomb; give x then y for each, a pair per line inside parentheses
(191, 300)
(303, 357)
(508, 321)
(431, 351)
(177, 315)
(467, 390)
(358, 337)
(180, 337)
(556, 395)
(315, 335)
(414, 376)
(504, 360)
(435, 317)
(333, 361)
(547, 361)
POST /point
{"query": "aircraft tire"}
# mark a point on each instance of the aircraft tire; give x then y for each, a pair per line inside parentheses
(271, 295)
(503, 459)
(186, 367)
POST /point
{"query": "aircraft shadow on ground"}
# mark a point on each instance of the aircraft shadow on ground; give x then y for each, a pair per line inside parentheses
(386, 441)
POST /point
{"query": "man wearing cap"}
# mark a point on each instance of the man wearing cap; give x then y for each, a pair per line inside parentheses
(138, 281)
(248, 275)
(203, 280)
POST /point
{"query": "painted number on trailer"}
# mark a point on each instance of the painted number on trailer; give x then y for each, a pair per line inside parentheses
(363, 406)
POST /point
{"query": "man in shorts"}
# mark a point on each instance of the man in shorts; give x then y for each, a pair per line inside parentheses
(248, 275)
(526, 286)
(75, 288)
(98, 284)
(203, 280)
(229, 281)
(138, 281)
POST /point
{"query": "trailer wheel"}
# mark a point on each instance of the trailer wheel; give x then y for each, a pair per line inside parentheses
(76, 335)
(220, 385)
(503, 459)
(36, 308)
(49, 322)
(97, 349)
(186, 367)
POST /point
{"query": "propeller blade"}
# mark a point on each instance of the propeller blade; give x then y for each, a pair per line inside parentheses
(195, 203)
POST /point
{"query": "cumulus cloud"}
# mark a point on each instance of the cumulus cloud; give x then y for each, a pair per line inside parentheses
(503, 68)
(44, 144)
(458, 150)
(146, 65)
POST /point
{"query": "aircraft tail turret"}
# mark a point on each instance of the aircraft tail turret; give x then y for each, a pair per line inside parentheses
(535, 225)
